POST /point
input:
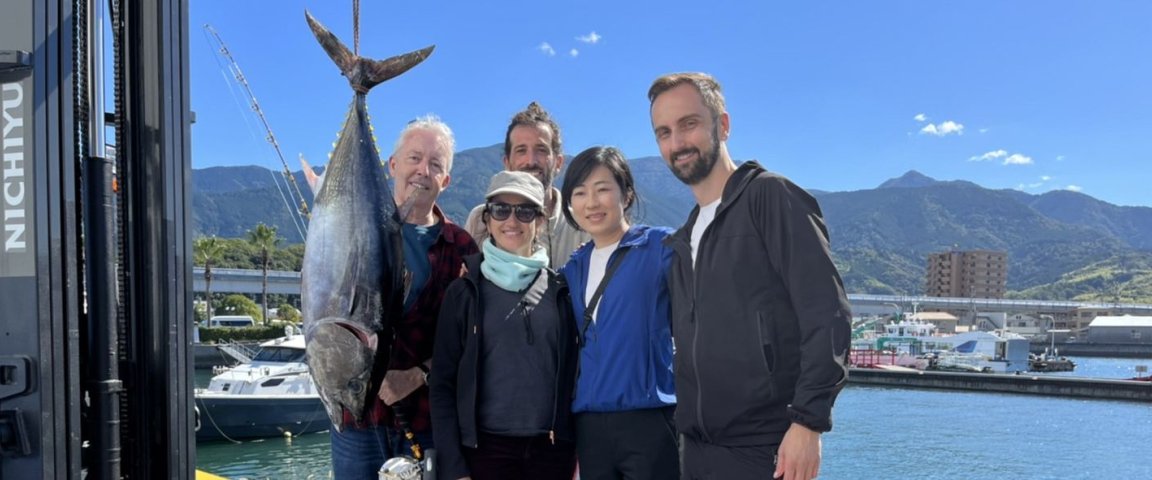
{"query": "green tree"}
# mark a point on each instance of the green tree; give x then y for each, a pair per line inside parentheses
(237, 304)
(265, 239)
(200, 316)
(288, 313)
(207, 251)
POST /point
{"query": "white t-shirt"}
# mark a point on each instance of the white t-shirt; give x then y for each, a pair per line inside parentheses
(597, 265)
(707, 214)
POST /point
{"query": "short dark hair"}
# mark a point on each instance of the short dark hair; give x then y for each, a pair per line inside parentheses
(532, 116)
(704, 83)
(582, 165)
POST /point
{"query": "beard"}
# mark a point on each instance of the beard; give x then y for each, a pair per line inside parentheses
(537, 172)
(698, 170)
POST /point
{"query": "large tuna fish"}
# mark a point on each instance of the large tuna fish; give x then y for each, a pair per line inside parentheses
(352, 281)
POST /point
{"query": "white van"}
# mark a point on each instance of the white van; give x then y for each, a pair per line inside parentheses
(232, 321)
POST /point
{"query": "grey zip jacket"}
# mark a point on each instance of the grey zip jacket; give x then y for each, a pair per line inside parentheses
(761, 325)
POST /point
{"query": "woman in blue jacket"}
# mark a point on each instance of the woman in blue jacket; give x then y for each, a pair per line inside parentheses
(625, 396)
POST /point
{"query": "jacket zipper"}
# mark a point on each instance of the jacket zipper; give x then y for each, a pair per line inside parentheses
(476, 369)
(683, 247)
(696, 326)
(695, 365)
(556, 381)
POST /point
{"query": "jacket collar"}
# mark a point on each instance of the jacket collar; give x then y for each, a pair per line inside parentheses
(472, 263)
(738, 182)
(635, 236)
(450, 235)
(475, 277)
(733, 188)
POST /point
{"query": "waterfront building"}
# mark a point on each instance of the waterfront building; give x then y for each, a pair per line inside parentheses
(967, 274)
(1122, 329)
(945, 322)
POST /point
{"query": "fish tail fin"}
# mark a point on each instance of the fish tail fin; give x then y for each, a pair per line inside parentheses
(364, 73)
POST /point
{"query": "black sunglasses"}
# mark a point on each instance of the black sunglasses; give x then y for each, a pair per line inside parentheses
(525, 212)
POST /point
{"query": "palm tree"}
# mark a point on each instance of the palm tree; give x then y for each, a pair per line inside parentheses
(208, 251)
(265, 239)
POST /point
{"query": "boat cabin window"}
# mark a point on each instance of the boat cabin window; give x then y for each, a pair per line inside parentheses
(273, 382)
(279, 354)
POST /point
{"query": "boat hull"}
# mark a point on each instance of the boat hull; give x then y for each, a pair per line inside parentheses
(238, 417)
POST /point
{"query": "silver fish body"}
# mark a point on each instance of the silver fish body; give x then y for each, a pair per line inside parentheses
(352, 277)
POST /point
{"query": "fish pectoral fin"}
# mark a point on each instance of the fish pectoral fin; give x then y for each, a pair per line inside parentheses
(380, 71)
(314, 180)
(407, 284)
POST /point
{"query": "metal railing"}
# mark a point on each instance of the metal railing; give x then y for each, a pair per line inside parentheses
(238, 351)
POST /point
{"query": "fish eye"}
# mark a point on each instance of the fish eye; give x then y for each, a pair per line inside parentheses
(356, 386)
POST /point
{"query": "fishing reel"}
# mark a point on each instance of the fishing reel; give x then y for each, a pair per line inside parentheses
(408, 468)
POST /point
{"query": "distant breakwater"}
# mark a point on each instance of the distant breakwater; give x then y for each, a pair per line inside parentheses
(1111, 350)
(1024, 383)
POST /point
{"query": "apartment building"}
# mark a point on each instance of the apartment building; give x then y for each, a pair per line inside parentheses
(967, 274)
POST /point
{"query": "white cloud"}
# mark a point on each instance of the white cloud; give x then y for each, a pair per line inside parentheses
(1074, 188)
(988, 156)
(1013, 159)
(1033, 186)
(983, 130)
(574, 53)
(1018, 159)
(920, 117)
(945, 128)
(1060, 158)
(592, 38)
(547, 49)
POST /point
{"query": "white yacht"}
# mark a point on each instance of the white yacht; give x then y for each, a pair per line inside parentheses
(273, 395)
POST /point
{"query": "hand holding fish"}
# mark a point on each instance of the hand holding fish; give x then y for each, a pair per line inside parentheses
(398, 384)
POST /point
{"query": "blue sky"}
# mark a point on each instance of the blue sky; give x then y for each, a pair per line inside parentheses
(837, 95)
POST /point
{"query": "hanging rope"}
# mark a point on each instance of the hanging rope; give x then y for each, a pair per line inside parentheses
(356, 27)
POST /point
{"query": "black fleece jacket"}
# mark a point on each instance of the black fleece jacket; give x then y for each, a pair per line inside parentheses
(762, 323)
(455, 374)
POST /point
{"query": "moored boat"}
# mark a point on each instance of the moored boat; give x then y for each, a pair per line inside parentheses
(1001, 352)
(273, 395)
(1044, 363)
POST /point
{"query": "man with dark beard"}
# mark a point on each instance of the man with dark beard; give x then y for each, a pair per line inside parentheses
(759, 314)
(532, 145)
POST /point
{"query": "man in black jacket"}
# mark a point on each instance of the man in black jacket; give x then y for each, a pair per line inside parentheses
(760, 318)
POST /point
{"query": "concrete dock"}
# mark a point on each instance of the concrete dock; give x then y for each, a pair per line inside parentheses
(1114, 350)
(1031, 384)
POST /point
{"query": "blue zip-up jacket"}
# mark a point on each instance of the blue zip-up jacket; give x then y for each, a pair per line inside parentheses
(626, 361)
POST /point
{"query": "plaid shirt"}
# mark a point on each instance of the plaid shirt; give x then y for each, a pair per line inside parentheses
(416, 331)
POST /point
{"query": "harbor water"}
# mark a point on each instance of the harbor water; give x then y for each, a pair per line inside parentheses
(880, 433)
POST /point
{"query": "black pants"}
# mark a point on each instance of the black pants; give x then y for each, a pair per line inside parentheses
(706, 461)
(632, 445)
(520, 458)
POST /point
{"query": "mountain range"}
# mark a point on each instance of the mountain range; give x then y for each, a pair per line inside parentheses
(1060, 244)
